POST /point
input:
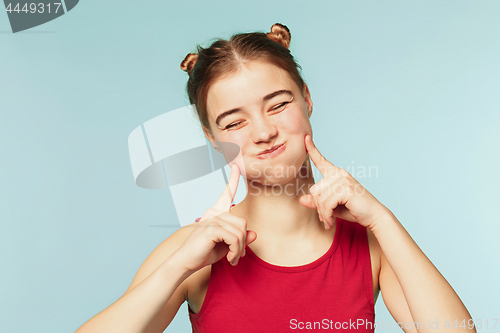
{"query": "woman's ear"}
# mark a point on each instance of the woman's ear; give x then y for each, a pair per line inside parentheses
(211, 138)
(307, 99)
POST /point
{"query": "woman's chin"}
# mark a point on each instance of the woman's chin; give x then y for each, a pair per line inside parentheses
(272, 180)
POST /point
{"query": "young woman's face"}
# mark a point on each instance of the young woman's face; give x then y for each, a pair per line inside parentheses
(258, 108)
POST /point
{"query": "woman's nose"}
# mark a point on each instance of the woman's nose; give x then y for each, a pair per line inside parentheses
(264, 130)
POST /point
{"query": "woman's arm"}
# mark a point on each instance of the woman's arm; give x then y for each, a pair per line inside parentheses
(411, 286)
(431, 300)
(154, 296)
(160, 286)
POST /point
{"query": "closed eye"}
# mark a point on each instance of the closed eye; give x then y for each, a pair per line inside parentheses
(276, 108)
(280, 106)
(232, 125)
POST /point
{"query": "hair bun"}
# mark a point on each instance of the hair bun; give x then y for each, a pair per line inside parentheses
(188, 63)
(280, 34)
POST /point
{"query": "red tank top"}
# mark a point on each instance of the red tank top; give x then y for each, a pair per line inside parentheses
(334, 292)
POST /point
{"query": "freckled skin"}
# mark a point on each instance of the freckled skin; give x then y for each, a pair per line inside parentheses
(260, 126)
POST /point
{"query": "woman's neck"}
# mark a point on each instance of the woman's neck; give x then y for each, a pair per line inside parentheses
(275, 213)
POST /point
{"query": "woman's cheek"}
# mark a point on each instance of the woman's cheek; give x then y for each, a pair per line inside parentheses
(233, 148)
(229, 149)
(294, 121)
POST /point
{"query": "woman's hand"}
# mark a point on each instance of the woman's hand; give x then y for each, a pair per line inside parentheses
(339, 194)
(218, 234)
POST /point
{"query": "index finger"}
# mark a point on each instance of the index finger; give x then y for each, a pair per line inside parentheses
(319, 160)
(225, 200)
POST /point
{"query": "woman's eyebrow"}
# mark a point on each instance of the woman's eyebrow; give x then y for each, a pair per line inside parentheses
(264, 99)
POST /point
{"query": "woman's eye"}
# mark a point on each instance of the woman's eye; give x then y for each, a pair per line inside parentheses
(280, 106)
(232, 125)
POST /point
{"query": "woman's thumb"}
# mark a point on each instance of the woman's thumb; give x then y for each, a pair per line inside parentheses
(307, 201)
(251, 236)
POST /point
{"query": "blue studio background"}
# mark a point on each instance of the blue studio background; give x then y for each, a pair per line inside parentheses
(411, 88)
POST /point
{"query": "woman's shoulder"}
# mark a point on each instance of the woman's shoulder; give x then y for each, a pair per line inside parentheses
(171, 244)
(161, 253)
(373, 245)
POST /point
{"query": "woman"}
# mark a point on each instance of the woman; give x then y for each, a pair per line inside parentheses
(299, 255)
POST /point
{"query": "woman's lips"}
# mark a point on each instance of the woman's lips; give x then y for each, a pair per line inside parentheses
(273, 153)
